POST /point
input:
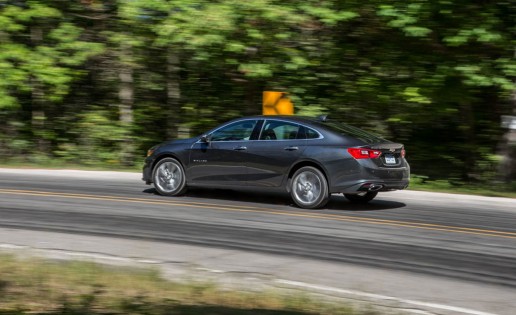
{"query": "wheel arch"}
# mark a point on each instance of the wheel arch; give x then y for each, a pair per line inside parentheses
(164, 156)
(304, 163)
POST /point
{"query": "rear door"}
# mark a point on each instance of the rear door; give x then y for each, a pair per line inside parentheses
(279, 145)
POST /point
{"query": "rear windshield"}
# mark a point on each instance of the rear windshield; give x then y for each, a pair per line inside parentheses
(351, 131)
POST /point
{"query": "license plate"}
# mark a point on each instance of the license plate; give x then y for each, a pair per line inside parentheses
(389, 159)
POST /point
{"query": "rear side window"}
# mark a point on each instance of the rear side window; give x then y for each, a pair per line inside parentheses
(307, 133)
(311, 134)
(279, 130)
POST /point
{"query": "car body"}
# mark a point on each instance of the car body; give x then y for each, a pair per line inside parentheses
(311, 158)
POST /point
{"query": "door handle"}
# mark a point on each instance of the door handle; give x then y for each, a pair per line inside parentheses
(240, 148)
(291, 148)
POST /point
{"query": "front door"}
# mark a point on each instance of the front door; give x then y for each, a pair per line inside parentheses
(221, 160)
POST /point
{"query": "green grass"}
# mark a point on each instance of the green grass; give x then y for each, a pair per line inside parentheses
(35, 286)
(492, 189)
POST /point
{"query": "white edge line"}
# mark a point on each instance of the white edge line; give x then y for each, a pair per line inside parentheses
(383, 297)
(81, 254)
(12, 246)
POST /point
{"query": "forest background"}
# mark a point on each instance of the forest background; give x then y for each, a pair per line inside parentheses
(95, 82)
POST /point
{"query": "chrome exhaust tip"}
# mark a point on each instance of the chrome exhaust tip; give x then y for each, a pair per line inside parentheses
(375, 187)
(371, 187)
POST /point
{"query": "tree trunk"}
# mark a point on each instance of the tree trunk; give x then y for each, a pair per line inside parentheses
(507, 168)
(468, 126)
(173, 109)
(512, 143)
(126, 98)
(38, 116)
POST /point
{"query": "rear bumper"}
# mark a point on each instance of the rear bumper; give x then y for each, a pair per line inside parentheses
(371, 185)
(372, 179)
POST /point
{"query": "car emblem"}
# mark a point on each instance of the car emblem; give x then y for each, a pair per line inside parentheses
(392, 150)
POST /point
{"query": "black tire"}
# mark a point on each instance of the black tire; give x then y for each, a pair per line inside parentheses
(361, 197)
(169, 177)
(309, 188)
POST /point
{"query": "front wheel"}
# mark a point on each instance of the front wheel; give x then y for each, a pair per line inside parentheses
(169, 177)
(363, 197)
(309, 188)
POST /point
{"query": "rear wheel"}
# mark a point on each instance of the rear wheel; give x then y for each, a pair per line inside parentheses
(363, 197)
(169, 177)
(309, 188)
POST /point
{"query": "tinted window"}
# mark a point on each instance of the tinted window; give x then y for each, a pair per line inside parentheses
(237, 131)
(279, 130)
(354, 132)
(311, 134)
(307, 133)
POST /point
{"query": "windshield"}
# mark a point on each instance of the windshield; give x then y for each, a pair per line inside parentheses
(355, 132)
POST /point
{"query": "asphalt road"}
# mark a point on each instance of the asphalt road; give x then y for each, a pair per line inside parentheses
(463, 238)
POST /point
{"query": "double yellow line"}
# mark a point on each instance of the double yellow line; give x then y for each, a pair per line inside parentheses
(240, 208)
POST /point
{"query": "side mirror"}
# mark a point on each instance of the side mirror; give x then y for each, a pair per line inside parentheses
(205, 139)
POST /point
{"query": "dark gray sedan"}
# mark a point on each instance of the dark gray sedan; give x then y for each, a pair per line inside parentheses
(311, 158)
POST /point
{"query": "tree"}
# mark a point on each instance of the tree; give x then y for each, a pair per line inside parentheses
(434, 75)
(41, 55)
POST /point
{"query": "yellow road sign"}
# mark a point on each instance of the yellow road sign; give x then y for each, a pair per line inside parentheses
(277, 103)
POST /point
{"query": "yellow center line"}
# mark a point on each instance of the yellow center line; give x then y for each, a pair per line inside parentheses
(238, 208)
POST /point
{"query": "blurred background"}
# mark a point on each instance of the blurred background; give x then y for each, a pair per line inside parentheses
(96, 83)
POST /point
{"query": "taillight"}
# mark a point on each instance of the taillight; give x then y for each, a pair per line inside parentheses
(360, 153)
(403, 152)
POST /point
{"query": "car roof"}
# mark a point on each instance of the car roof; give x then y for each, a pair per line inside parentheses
(305, 119)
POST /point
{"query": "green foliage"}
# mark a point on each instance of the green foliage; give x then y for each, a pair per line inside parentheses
(95, 134)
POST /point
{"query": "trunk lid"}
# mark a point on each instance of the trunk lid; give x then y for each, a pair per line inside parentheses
(392, 154)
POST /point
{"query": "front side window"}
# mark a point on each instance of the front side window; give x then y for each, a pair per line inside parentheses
(237, 131)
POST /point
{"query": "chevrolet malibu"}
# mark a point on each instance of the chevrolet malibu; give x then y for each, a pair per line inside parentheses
(310, 158)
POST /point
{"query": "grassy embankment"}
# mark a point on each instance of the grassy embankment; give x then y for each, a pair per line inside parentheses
(456, 187)
(37, 286)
